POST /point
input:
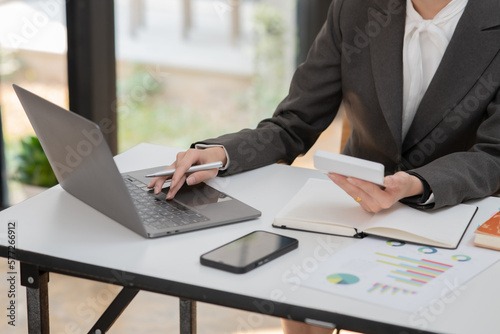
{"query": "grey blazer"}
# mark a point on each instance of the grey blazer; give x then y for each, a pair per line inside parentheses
(454, 140)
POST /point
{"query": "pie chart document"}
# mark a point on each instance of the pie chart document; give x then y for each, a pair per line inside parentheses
(397, 274)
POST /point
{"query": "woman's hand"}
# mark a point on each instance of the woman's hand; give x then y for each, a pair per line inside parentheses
(183, 162)
(374, 198)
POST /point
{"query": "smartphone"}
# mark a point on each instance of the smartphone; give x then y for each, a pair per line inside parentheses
(249, 252)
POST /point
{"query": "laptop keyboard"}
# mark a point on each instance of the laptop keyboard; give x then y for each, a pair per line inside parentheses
(159, 214)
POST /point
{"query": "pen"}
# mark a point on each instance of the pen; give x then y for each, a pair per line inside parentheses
(192, 169)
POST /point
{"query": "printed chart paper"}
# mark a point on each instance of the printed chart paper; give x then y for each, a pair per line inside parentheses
(397, 274)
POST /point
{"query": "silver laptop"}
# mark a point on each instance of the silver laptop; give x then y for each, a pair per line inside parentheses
(84, 167)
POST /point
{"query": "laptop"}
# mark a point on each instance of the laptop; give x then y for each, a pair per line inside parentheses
(84, 166)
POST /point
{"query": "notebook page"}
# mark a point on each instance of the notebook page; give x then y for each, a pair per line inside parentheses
(445, 225)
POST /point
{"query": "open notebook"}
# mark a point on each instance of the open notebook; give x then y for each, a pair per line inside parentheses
(321, 206)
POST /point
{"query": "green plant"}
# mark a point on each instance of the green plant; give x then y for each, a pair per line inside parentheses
(33, 166)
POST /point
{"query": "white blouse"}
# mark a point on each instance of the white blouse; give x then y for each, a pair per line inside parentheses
(425, 42)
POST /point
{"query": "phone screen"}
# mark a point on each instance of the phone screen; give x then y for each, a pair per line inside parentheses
(249, 251)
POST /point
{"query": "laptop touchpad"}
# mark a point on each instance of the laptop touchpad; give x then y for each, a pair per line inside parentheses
(199, 195)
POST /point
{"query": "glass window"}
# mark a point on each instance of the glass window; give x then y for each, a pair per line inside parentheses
(193, 69)
(33, 55)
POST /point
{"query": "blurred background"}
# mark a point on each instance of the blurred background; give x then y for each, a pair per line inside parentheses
(168, 72)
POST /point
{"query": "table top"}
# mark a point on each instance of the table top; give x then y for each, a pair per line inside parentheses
(59, 232)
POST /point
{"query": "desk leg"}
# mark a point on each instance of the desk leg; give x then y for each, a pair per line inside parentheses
(37, 297)
(187, 313)
(114, 310)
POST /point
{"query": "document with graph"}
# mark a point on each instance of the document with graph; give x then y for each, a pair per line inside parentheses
(397, 274)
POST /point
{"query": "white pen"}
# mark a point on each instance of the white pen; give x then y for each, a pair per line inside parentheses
(192, 169)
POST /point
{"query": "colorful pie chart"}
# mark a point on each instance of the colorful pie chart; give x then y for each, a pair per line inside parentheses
(461, 258)
(395, 243)
(343, 279)
(427, 250)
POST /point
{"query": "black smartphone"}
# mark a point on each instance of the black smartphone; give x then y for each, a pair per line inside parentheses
(249, 252)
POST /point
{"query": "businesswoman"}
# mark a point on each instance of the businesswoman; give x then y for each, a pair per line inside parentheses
(420, 84)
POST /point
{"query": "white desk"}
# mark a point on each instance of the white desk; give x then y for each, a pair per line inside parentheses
(58, 233)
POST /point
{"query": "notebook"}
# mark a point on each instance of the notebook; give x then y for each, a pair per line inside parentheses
(321, 206)
(84, 166)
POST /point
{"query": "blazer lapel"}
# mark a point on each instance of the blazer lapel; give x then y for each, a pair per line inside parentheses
(474, 44)
(387, 60)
